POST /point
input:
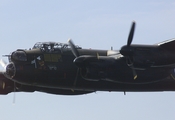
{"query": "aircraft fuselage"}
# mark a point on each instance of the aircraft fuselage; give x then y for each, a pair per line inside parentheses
(56, 70)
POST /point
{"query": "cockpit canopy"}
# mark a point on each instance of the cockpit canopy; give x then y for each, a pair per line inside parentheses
(47, 46)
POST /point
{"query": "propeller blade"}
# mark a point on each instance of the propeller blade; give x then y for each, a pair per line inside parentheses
(98, 56)
(3, 85)
(131, 34)
(74, 50)
(3, 64)
(130, 64)
(134, 73)
(127, 50)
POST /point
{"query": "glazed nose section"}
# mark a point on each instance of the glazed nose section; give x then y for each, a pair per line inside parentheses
(10, 70)
(19, 56)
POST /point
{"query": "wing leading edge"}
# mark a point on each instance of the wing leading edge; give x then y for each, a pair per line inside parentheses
(168, 44)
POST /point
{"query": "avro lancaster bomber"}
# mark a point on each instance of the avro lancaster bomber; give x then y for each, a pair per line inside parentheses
(67, 69)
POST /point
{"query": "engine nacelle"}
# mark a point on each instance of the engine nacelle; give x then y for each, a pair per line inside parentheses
(95, 68)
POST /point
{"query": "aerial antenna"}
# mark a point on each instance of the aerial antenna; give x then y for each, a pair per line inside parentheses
(111, 48)
(14, 95)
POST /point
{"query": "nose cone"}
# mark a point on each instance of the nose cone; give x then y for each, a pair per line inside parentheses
(10, 70)
(19, 56)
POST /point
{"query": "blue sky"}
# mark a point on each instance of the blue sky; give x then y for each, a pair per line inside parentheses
(97, 24)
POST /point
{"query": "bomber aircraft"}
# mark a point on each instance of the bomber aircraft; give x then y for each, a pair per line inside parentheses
(67, 69)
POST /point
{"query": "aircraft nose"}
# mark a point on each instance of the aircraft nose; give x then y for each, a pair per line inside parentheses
(19, 56)
(10, 70)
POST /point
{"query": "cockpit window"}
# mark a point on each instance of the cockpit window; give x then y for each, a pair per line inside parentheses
(51, 46)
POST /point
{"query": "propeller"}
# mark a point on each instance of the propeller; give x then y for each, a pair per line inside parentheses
(74, 50)
(76, 54)
(3, 64)
(127, 51)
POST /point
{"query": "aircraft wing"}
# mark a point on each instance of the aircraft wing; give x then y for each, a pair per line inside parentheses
(168, 44)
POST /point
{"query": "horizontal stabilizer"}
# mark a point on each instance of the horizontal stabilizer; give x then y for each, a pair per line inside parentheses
(168, 44)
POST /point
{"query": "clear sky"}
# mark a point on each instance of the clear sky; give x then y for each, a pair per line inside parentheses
(97, 24)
